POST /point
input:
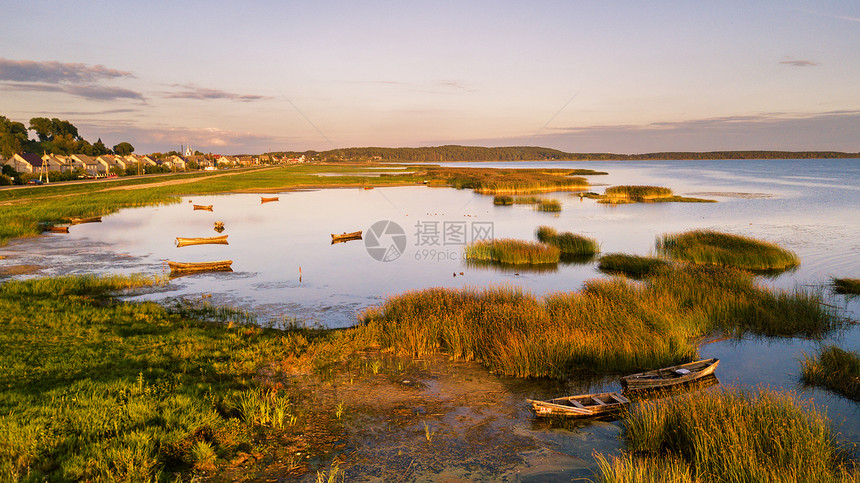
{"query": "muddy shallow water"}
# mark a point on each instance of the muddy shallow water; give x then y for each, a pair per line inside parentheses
(435, 420)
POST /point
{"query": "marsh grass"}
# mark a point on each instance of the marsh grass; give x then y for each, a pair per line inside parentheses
(94, 389)
(848, 286)
(512, 252)
(609, 326)
(510, 181)
(728, 436)
(569, 244)
(723, 249)
(835, 369)
(635, 193)
(631, 265)
(503, 200)
(552, 206)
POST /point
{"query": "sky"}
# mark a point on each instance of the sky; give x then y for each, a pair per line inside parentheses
(580, 76)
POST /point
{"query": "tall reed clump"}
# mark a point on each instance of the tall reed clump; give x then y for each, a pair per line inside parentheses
(634, 193)
(729, 436)
(608, 326)
(503, 200)
(710, 247)
(510, 181)
(552, 206)
(848, 286)
(631, 265)
(835, 369)
(567, 243)
(512, 252)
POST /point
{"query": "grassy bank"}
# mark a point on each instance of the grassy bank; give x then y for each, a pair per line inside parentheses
(848, 286)
(835, 369)
(727, 437)
(567, 243)
(24, 211)
(723, 249)
(98, 390)
(609, 326)
(641, 194)
(498, 181)
(512, 252)
(631, 265)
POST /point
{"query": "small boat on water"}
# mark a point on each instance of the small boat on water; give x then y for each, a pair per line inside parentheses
(670, 376)
(263, 199)
(180, 267)
(212, 240)
(355, 235)
(582, 406)
(91, 219)
(57, 228)
(203, 207)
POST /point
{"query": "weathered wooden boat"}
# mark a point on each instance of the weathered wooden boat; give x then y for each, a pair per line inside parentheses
(56, 228)
(203, 207)
(91, 219)
(263, 199)
(212, 240)
(180, 267)
(670, 376)
(355, 235)
(581, 406)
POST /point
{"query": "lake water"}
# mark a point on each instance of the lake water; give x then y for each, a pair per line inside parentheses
(286, 267)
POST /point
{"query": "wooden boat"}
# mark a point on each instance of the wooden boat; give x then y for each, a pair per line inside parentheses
(263, 199)
(356, 235)
(203, 207)
(670, 376)
(91, 219)
(57, 228)
(212, 240)
(582, 406)
(179, 267)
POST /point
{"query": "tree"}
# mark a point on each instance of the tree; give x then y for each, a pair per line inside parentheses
(99, 148)
(123, 149)
(13, 137)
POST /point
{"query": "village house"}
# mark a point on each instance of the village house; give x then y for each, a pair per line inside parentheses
(25, 163)
(57, 162)
(95, 168)
(114, 162)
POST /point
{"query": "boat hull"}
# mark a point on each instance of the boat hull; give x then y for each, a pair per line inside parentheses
(92, 219)
(268, 200)
(670, 376)
(180, 267)
(581, 406)
(356, 235)
(213, 240)
(203, 207)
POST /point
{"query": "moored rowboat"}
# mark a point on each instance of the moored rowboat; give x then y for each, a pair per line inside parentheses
(263, 199)
(581, 406)
(180, 267)
(91, 219)
(212, 240)
(203, 207)
(670, 376)
(355, 235)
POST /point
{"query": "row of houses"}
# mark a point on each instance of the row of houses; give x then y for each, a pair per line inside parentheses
(102, 166)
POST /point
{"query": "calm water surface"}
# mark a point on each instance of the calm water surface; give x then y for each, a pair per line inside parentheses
(285, 267)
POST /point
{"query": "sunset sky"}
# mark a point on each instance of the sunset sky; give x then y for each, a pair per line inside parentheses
(581, 76)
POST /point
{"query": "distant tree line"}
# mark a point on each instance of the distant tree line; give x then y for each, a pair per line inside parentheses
(54, 136)
(533, 153)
